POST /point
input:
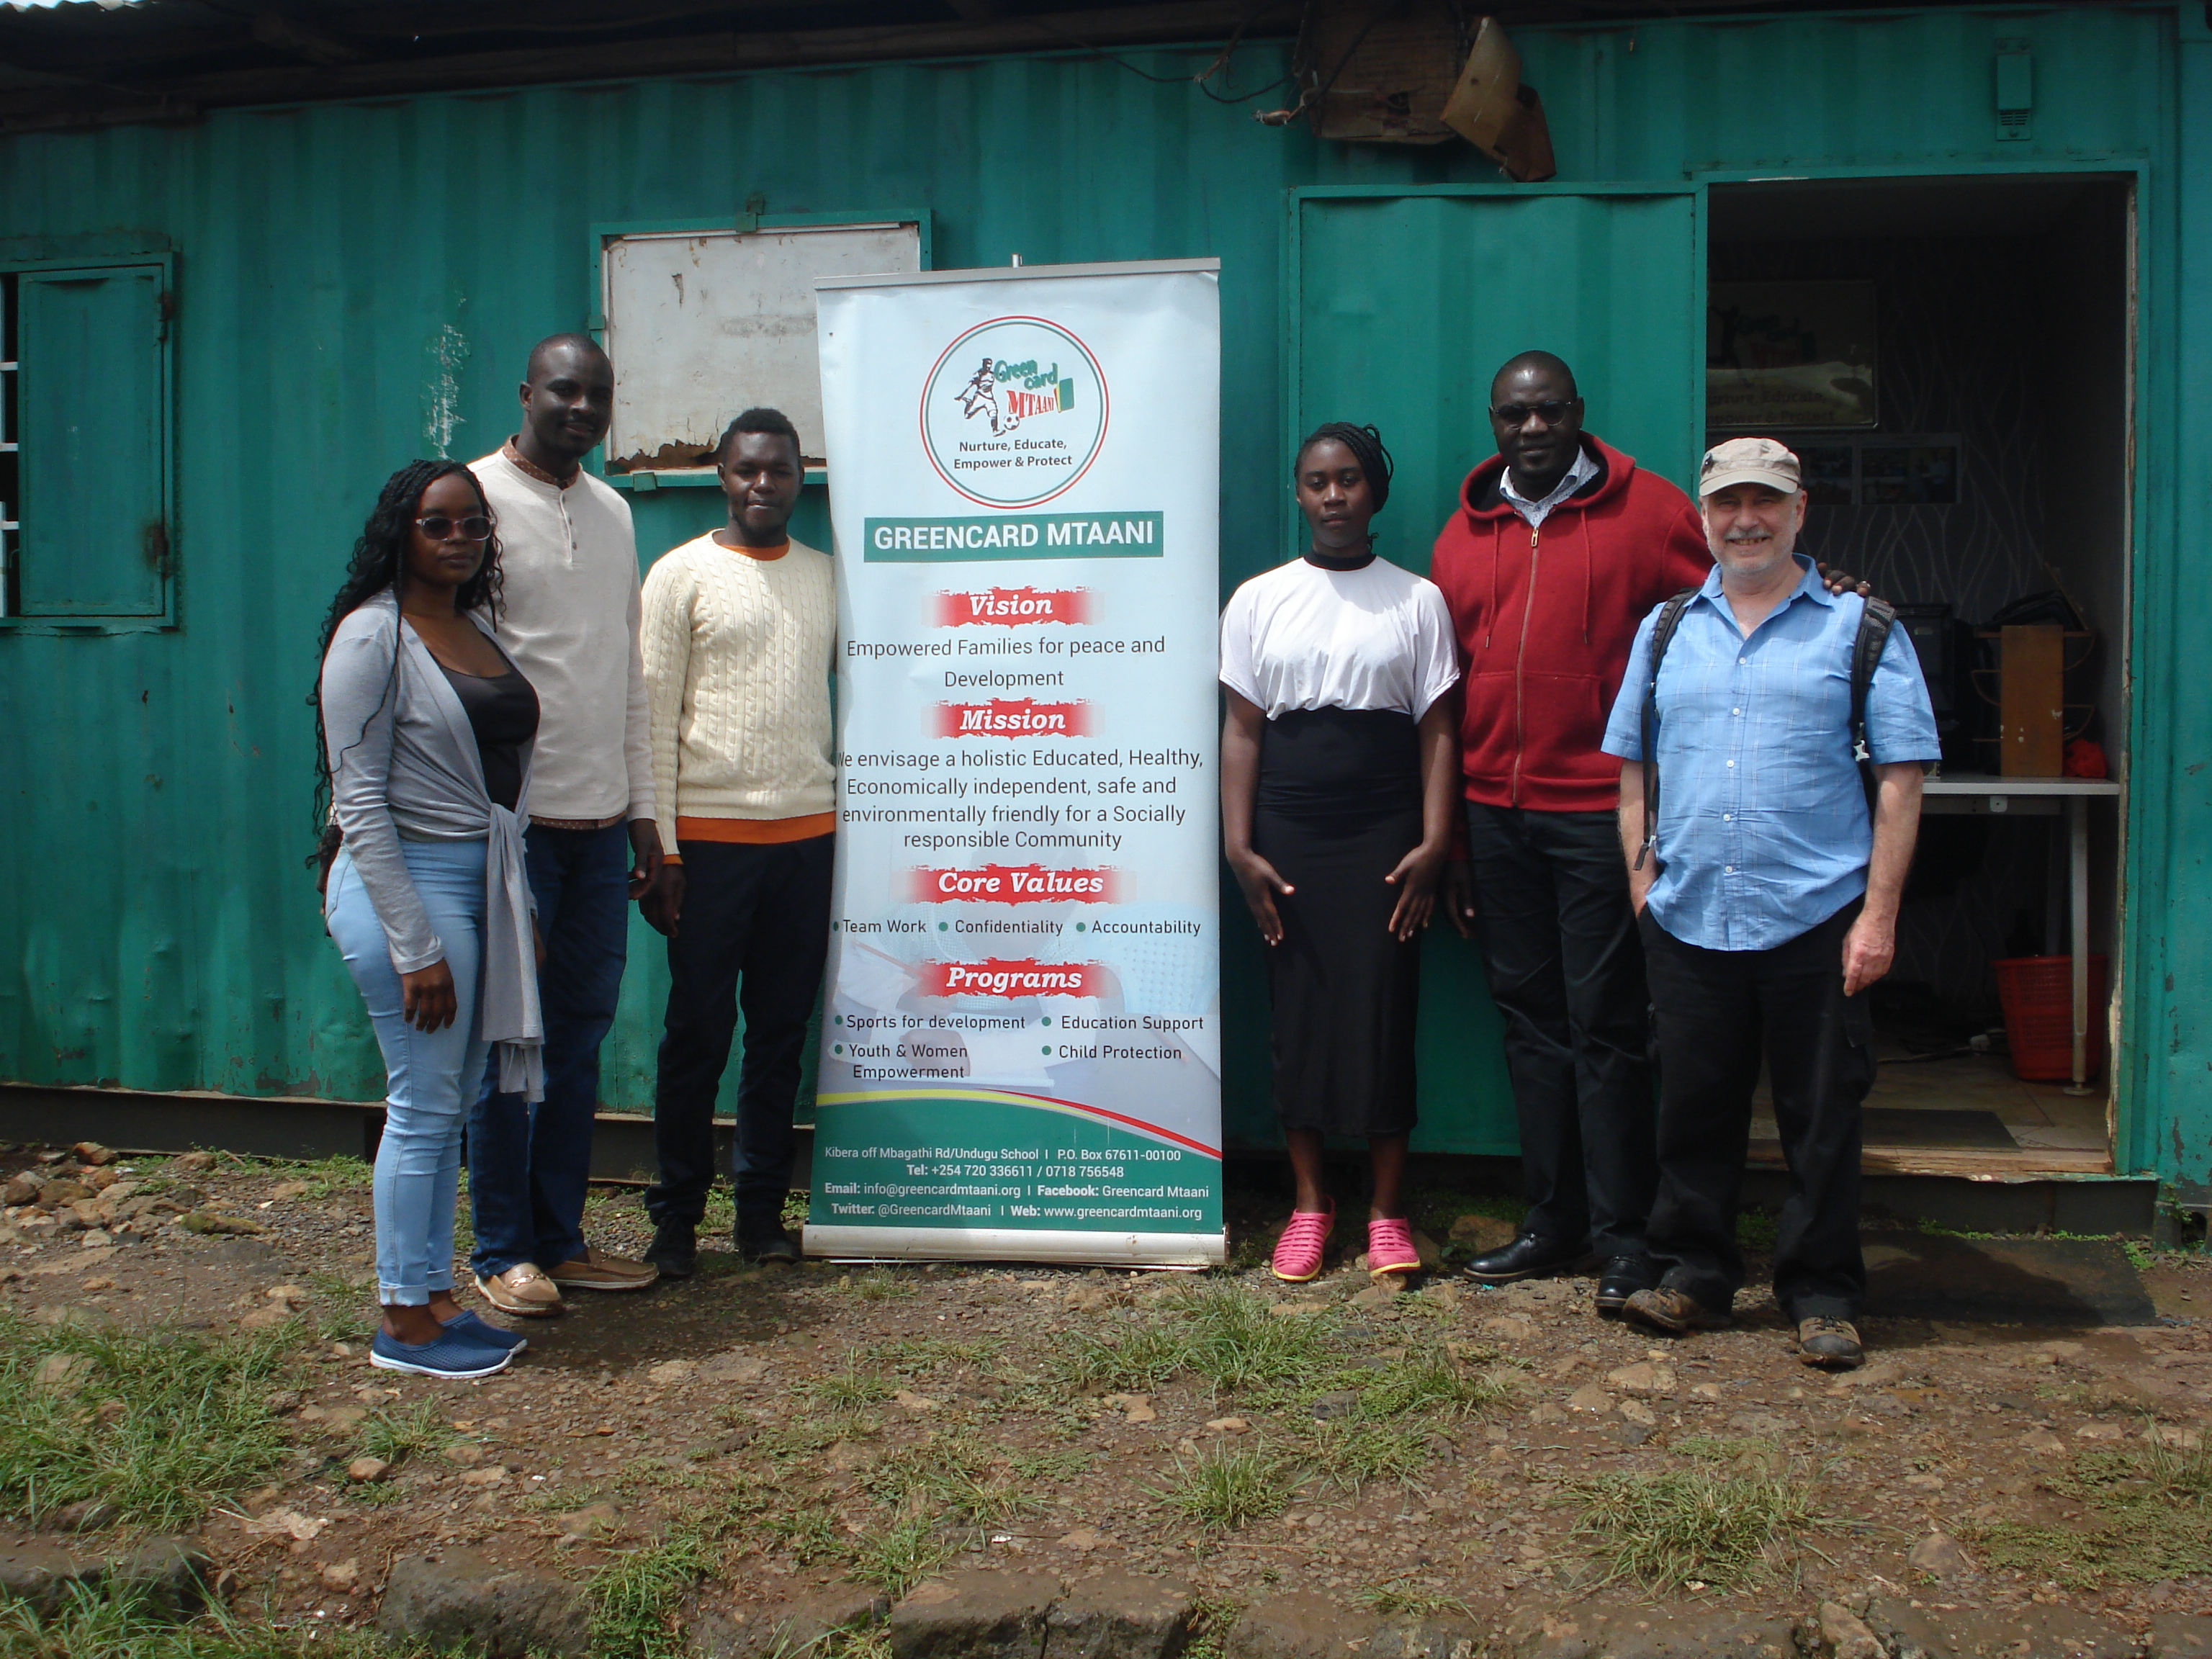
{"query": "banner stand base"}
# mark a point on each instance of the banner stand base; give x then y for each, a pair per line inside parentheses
(1070, 1249)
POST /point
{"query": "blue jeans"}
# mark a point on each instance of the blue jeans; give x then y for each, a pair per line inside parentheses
(430, 1075)
(530, 1167)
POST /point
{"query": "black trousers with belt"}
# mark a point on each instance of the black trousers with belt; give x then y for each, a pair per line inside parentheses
(1558, 936)
(1720, 1012)
(754, 934)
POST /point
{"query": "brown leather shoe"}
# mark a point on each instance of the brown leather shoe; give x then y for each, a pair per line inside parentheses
(522, 1291)
(595, 1270)
(1832, 1344)
(1673, 1312)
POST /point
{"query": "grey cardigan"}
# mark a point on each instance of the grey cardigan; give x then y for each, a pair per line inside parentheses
(404, 765)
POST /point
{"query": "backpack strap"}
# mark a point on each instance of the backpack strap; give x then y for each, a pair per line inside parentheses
(1662, 632)
(1875, 622)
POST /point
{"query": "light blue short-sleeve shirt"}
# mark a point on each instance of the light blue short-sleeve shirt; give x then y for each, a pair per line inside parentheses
(1763, 829)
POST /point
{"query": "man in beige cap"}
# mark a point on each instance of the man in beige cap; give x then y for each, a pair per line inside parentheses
(1765, 875)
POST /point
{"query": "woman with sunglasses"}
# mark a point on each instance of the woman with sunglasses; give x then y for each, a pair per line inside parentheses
(1338, 775)
(426, 730)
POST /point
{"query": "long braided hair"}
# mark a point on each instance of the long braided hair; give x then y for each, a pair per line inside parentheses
(1365, 443)
(380, 565)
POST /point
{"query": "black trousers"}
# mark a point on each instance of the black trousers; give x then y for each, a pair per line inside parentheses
(1558, 943)
(753, 935)
(1720, 1012)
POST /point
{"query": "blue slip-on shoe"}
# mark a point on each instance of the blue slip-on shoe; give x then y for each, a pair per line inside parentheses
(465, 1324)
(454, 1354)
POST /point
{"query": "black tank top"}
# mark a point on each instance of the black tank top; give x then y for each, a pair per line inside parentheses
(502, 711)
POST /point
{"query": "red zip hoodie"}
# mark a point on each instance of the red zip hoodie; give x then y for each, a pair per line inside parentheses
(1546, 619)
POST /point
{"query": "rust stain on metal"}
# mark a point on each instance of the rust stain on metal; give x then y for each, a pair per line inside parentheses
(667, 458)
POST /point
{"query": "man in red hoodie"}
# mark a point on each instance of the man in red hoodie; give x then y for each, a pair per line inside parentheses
(1561, 546)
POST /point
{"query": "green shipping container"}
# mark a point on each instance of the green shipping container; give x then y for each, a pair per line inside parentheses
(284, 303)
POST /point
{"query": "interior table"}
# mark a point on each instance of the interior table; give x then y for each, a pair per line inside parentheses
(1987, 792)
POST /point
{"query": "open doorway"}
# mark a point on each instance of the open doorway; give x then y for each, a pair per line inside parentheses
(1951, 357)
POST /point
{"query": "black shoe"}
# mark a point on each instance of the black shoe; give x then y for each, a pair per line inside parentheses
(767, 1244)
(1620, 1279)
(1529, 1257)
(674, 1249)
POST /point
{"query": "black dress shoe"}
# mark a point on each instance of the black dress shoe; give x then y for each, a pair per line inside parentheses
(1529, 1256)
(1620, 1278)
(674, 1249)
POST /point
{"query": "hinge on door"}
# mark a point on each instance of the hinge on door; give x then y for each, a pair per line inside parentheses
(748, 222)
(166, 308)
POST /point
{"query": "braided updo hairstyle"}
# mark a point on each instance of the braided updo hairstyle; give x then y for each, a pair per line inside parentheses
(1365, 443)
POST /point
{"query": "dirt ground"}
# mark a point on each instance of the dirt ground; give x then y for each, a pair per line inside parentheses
(876, 1421)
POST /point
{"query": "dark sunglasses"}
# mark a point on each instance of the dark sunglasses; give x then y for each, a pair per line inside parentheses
(1518, 413)
(438, 527)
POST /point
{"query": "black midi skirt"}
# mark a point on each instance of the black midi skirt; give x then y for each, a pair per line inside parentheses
(1339, 804)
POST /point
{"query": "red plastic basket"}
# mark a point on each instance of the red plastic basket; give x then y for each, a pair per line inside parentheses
(2038, 994)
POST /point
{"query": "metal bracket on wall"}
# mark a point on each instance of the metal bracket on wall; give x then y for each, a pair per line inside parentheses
(2016, 90)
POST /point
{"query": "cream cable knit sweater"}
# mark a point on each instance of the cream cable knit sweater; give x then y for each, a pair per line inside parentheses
(738, 656)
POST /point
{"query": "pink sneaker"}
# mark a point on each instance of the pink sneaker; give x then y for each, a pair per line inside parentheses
(1297, 1251)
(1390, 1249)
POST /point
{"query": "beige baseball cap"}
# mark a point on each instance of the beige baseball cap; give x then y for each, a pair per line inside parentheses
(1749, 460)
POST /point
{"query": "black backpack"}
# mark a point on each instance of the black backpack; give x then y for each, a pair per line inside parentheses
(1874, 623)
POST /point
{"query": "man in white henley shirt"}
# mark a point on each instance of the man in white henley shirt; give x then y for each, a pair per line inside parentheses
(569, 619)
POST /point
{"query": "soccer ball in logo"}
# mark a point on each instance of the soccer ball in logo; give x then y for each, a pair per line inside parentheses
(1014, 412)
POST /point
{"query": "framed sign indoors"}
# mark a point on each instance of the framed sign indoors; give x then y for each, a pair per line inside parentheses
(1879, 470)
(1783, 355)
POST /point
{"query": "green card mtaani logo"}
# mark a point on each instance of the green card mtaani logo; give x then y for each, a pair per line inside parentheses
(1014, 412)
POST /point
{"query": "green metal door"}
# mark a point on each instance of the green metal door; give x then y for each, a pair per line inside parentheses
(1402, 306)
(95, 540)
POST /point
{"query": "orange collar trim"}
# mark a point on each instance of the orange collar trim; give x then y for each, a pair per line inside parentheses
(765, 555)
(530, 470)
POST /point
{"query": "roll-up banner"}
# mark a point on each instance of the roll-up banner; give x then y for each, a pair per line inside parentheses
(1021, 1038)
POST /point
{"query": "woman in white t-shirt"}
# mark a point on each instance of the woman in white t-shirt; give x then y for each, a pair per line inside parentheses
(1338, 775)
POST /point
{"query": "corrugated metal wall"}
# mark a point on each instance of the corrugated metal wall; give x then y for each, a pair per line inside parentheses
(359, 283)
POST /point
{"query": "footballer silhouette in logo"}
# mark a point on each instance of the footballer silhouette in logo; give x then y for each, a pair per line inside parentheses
(980, 396)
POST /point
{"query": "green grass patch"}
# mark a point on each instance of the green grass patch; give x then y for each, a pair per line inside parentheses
(1131, 1361)
(396, 1432)
(1220, 1333)
(1211, 1619)
(802, 1437)
(875, 1285)
(848, 1389)
(919, 1356)
(2148, 1516)
(635, 1595)
(96, 1626)
(1223, 1488)
(1692, 1527)
(1349, 1452)
(1233, 1340)
(1434, 1382)
(1400, 1598)
(897, 1557)
(159, 1423)
(328, 1177)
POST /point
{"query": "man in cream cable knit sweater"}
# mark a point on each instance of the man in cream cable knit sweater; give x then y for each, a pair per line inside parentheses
(569, 621)
(740, 626)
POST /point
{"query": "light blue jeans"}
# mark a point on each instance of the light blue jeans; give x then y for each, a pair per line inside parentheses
(433, 1076)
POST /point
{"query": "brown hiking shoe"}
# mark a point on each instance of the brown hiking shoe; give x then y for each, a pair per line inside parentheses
(522, 1291)
(1831, 1344)
(1673, 1312)
(595, 1270)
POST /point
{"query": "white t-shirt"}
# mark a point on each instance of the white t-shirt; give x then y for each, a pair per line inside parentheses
(1303, 637)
